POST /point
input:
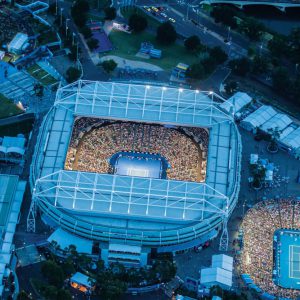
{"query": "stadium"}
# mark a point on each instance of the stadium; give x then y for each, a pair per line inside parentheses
(270, 258)
(150, 167)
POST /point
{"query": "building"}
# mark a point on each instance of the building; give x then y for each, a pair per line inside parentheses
(11, 194)
(220, 272)
(17, 43)
(129, 217)
(81, 282)
(12, 149)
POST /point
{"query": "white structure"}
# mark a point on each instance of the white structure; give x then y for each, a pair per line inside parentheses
(81, 282)
(12, 149)
(291, 141)
(162, 214)
(11, 195)
(279, 121)
(236, 102)
(222, 261)
(216, 276)
(258, 117)
(127, 254)
(64, 239)
(17, 43)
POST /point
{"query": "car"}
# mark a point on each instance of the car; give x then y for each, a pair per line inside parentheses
(164, 15)
(172, 20)
(149, 9)
(154, 8)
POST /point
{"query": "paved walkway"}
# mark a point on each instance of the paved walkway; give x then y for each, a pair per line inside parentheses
(123, 63)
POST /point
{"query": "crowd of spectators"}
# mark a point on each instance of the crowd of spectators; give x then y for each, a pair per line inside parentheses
(258, 228)
(94, 141)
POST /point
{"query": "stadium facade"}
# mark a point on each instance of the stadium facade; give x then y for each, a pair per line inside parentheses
(135, 213)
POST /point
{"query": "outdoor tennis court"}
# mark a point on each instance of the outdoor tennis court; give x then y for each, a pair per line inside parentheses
(287, 258)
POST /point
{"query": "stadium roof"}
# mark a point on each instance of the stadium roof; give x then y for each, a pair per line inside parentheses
(142, 103)
(129, 201)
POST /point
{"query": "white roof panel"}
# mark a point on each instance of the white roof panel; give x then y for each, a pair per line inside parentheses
(236, 102)
(279, 121)
(293, 139)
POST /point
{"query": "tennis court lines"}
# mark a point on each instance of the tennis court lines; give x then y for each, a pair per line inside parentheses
(138, 172)
(294, 261)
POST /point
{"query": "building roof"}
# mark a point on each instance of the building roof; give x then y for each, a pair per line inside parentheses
(236, 102)
(260, 116)
(13, 145)
(81, 279)
(292, 140)
(279, 121)
(65, 239)
(18, 41)
(222, 261)
(11, 196)
(216, 276)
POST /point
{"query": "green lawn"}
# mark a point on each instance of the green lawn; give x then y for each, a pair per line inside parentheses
(8, 108)
(127, 46)
(14, 129)
(128, 11)
(40, 74)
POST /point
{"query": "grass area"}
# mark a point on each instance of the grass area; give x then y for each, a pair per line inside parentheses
(8, 108)
(47, 37)
(41, 75)
(128, 11)
(14, 129)
(127, 45)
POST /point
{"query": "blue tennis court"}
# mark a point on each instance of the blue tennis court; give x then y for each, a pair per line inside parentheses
(139, 164)
(287, 258)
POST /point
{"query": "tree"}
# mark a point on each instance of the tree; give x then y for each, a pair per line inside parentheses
(278, 46)
(50, 292)
(109, 65)
(52, 8)
(260, 65)
(218, 54)
(280, 80)
(63, 294)
(86, 31)
(224, 15)
(53, 273)
(92, 43)
(137, 23)
(240, 66)
(23, 296)
(196, 71)
(110, 13)
(231, 87)
(192, 43)
(252, 28)
(73, 54)
(72, 74)
(209, 64)
(78, 12)
(294, 45)
(166, 34)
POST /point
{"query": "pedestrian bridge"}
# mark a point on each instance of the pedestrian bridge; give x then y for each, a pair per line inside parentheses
(280, 4)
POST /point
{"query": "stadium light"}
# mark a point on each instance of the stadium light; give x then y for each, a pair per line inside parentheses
(180, 90)
(211, 92)
(164, 88)
(197, 91)
(148, 87)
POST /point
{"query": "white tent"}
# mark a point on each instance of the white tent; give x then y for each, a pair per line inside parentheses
(65, 239)
(292, 140)
(236, 102)
(222, 261)
(81, 279)
(258, 117)
(253, 158)
(280, 121)
(288, 130)
(216, 276)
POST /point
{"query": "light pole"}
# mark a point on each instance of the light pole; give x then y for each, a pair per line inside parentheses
(67, 27)
(296, 68)
(56, 4)
(73, 38)
(61, 10)
(228, 34)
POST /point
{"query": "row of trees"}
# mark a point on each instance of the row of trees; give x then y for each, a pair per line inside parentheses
(230, 17)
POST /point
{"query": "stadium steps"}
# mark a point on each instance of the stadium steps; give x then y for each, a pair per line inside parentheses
(293, 215)
(279, 210)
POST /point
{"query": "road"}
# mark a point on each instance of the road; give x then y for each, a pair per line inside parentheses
(90, 71)
(210, 33)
